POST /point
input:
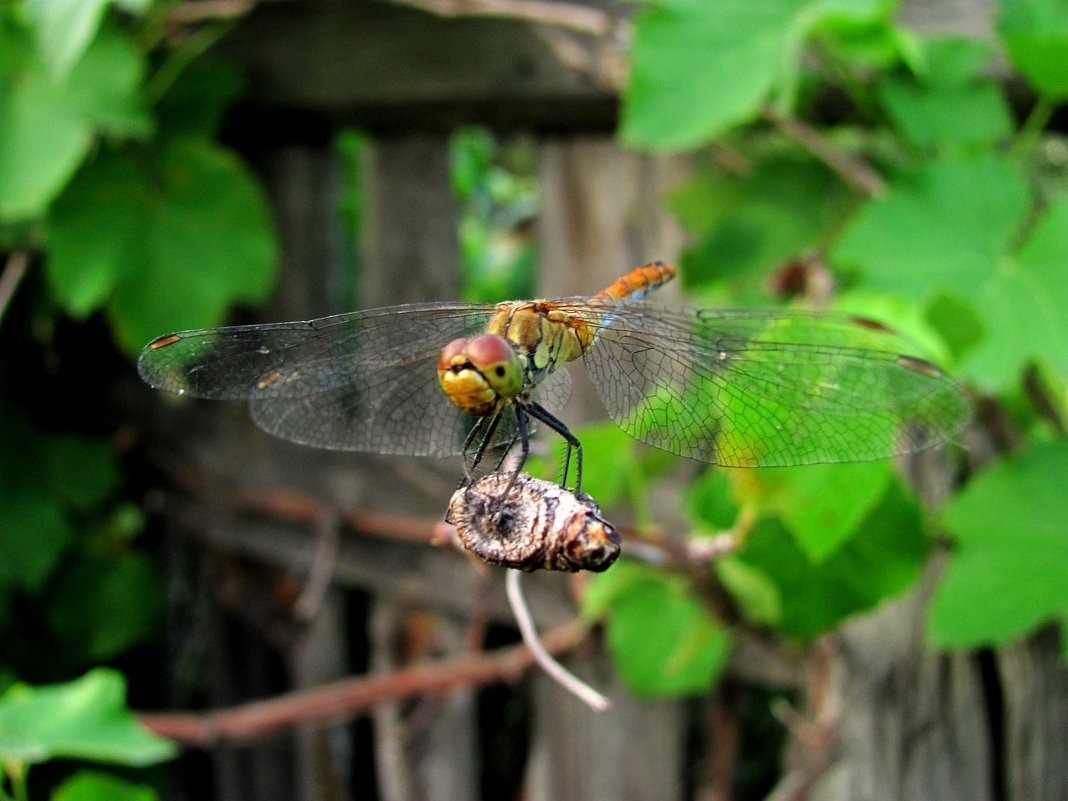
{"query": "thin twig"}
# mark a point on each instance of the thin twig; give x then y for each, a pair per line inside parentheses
(14, 272)
(855, 172)
(323, 566)
(353, 697)
(194, 11)
(566, 679)
(561, 15)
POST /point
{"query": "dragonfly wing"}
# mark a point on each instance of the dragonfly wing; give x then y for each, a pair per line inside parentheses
(778, 388)
(363, 381)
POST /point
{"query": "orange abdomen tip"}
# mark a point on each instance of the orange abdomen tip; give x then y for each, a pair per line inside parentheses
(640, 281)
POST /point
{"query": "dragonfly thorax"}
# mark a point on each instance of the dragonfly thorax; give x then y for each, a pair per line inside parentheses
(480, 374)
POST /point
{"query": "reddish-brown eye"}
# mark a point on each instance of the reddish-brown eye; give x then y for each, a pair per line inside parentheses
(451, 351)
(486, 350)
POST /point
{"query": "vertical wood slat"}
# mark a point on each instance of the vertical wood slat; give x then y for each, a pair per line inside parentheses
(318, 655)
(600, 216)
(410, 252)
(909, 722)
(1034, 682)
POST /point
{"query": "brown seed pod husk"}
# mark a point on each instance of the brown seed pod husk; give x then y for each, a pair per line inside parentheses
(538, 525)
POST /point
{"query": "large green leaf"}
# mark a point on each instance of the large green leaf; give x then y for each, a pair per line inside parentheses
(81, 472)
(1035, 36)
(950, 227)
(944, 225)
(83, 719)
(662, 640)
(1009, 570)
(47, 125)
(101, 607)
(949, 105)
(1024, 305)
(164, 247)
(822, 505)
(90, 785)
(699, 67)
(64, 29)
(783, 208)
(33, 535)
(883, 559)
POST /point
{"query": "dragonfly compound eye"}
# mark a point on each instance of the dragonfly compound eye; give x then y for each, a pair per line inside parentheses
(495, 358)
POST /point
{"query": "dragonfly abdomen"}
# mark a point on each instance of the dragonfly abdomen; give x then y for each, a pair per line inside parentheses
(639, 282)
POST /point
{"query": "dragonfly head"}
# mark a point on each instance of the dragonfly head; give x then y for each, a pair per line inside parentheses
(480, 373)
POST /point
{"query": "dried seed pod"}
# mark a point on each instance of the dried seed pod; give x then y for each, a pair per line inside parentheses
(539, 525)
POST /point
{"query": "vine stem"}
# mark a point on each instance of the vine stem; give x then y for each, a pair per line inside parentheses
(572, 16)
(565, 678)
(14, 272)
(346, 699)
(1032, 128)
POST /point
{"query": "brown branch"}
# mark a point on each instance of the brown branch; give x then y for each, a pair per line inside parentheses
(350, 698)
(286, 505)
(205, 10)
(560, 15)
(14, 272)
(855, 172)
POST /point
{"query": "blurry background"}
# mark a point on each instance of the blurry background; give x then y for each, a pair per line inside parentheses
(876, 631)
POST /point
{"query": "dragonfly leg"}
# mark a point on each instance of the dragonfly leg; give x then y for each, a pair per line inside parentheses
(507, 449)
(523, 434)
(539, 412)
(488, 423)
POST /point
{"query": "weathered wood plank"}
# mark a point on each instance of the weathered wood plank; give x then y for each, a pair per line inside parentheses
(384, 66)
(908, 722)
(1034, 685)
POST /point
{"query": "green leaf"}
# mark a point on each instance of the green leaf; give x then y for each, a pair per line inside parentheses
(82, 719)
(171, 248)
(211, 244)
(46, 127)
(754, 592)
(1009, 568)
(785, 207)
(949, 228)
(710, 502)
(1024, 306)
(882, 560)
(687, 52)
(949, 106)
(1035, 36)
(33, 535)
(89, 785)
(81, 471)
(195, 103)
(944, 225)
(822, 505)
(64, 29)
(661, 639)
(89, 256)
(103, 607)
(699, 67)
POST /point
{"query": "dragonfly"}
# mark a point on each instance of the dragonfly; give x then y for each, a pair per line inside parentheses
(738, 388)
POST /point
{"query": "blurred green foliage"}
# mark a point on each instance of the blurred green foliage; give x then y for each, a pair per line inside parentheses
(497, 190)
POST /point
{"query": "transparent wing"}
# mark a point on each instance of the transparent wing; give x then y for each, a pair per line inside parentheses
(750, 388)
(362, 381)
